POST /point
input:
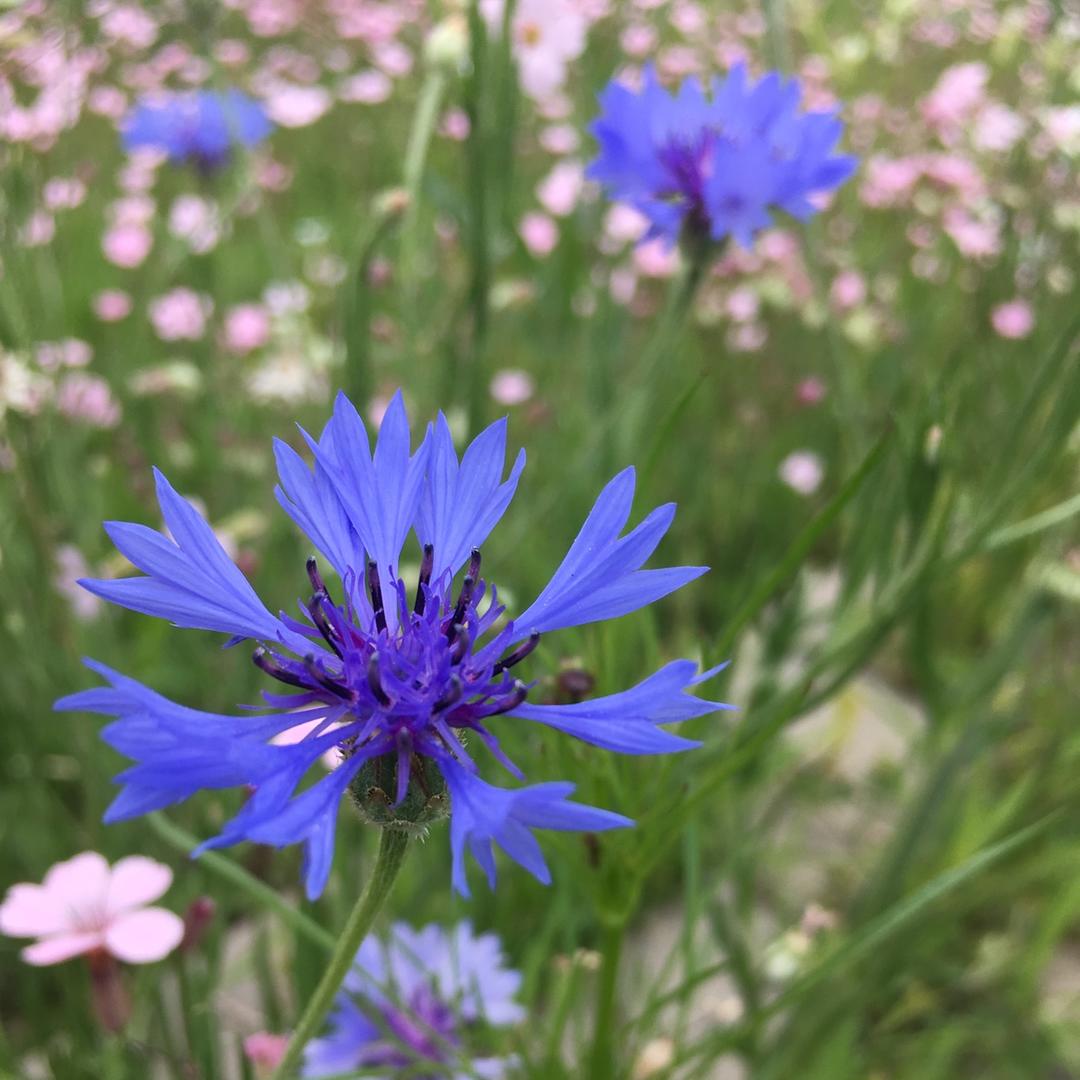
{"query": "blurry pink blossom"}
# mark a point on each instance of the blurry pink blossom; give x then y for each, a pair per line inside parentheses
(802, 471)
(1062, 124)
(272, 175)
(747, 337)
(512, 387)
(265, 1051)
(247, 327)
(84, 906)
(624, 225)
(231, 52)
(180, 315)
(959, 91)
(810, 391)
(638, 40)
(743, 304)
(545, 36)
(112, 305)
(974, 238)
(367, 87)
(655, 259)
(622, 285)
(848, 290)
(1013, 319)
(71, 352)
(130, 25)
(889, 181)
(109, 101)
(455, 125)
(127, 245)
(63, 193)
(997, 128)
(393, 57)
(560, 138)
(539, 233)
(560, 190)
(297, 106)
(194, 220)
(70, 567)
(85, 397)
(952, 171)
(39, 229)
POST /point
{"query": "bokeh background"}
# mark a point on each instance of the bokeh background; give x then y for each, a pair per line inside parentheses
(869, 425)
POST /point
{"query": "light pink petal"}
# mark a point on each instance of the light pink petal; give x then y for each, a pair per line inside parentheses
(80, 883)
(141, 937)
(54, 950)
(32, 911)
(135, 881)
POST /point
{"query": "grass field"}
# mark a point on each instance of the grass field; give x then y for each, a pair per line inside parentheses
(869, 422)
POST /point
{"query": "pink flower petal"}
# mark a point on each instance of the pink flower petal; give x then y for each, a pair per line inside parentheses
(55, 950)
(80, 882)
(32, 911)
(141, 937)
(135, 881)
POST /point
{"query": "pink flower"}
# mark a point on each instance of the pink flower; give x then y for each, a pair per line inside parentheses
(743, 304)
(560, 190)
(539, 233)
(973, 238)
(83, 907)
(194, 220)
(38, 230)
(247, 327)
(63, 193)
(297, 106)
(127, 245)
(802, 472)
(655, 259)
(70, 567)
(180, 315)
(545, 36)
(638, 40)
(265, 1050)
(998, 128)
(455, 125)
(112, 305)
(957, 94)
(811, 391)
(86, 397)
(560, 138)
(368, 87)
(512, 387)
(1014, 319)
(848, 290)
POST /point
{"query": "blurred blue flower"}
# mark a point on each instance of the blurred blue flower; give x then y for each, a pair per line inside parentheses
(393, 682)
(715, 166)
(414, 1000)
(200, 128)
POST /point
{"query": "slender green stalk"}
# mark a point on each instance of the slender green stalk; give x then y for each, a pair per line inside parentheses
(423, 127)
(393, 844)
(238, 876)
(602, 1066)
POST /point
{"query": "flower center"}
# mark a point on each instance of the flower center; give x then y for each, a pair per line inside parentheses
(417, 682)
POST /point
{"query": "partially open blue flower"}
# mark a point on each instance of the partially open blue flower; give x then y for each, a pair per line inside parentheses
(416, 1001)
(199, 128)
(715, 166)
(403, 684)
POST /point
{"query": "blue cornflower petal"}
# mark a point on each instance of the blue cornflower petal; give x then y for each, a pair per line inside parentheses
(380, 492)
(342, 1050)
(600, 577)
(190, 579)
(484, 814)
(627, 722)
(463, 502)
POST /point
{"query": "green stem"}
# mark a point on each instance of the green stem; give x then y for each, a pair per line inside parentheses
(238, 876)
(416, 151)
(392, 847)
(603, 1055)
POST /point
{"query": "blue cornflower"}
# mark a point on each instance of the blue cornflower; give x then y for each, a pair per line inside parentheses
(416, 1000)
(200, 128)
(394, 681)
(714, 167)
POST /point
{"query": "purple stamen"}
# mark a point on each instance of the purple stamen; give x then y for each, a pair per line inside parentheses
(427, 565)
(518, 654)
(375, 589)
